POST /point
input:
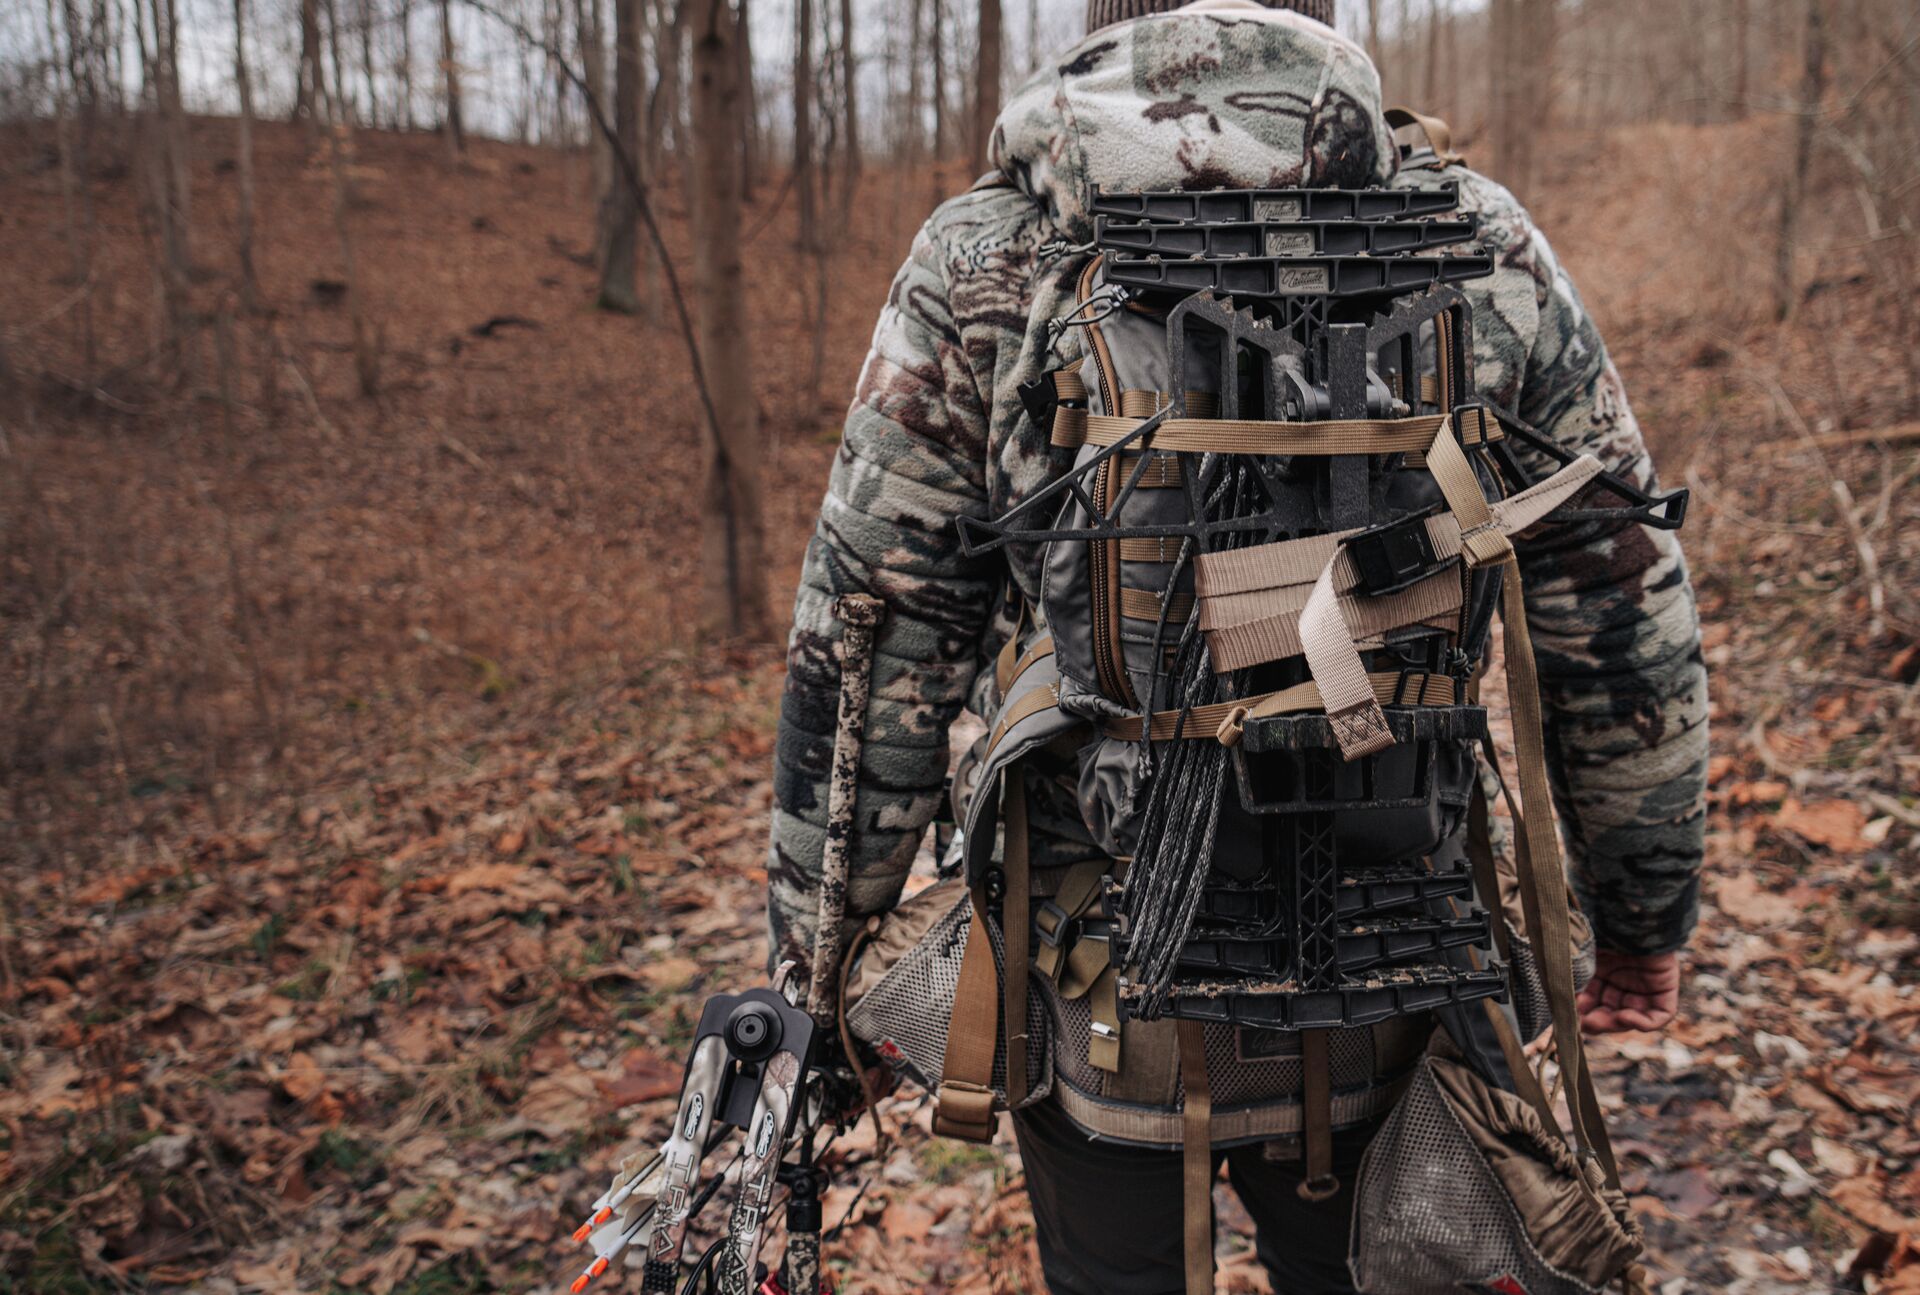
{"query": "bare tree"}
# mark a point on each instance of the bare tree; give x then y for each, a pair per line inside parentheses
(312, 78)
(749, 109)
(590, 32)
(986, 83)
(803, 177)
(450, 85)
(733, 559)
(1813, 88)
(364, 19)
(1521, 35)
(620, 205)
(850, 115)
(367, 336)
(404, 20)
(243, 224)
(938, 38)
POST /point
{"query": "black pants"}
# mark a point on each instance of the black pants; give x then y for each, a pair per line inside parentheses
(1110, 1217)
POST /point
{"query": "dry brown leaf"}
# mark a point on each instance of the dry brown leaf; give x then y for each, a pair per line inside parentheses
(1741, 897)
(500, 877)
(907, 1222)
(566, 1100)
(1833, 824)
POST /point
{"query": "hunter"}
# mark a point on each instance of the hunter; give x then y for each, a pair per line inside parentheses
(1215, 94)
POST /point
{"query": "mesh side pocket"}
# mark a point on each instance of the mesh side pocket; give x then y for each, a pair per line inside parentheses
(1432, 1218)
(1531, 1009)
(906, 1011)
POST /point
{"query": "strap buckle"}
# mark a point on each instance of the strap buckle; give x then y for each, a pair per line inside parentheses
(1053, 924)
(1393, 556)
(1040, 397)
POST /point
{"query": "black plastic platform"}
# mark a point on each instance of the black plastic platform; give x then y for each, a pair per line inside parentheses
(1219, 205)
(1280, 238)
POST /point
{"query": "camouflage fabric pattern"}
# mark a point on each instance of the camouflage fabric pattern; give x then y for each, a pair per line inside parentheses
(1239, 97)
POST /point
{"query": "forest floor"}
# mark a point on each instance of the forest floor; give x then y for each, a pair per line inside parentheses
(373, 830)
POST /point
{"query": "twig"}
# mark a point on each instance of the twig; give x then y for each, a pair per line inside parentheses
(306, 388)
(1843, 499)
(632, 175)
(1724, 507)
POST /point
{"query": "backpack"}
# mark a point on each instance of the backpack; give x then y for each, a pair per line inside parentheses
(1273, 555)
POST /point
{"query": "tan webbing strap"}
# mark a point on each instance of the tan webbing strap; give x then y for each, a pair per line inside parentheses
(1543, 879)
(1525, 1082)
(1316, 1101)
(1014, 930)
(1482, 541)
(1196, 1150)
(1076, 895)
(1276, 633)
(1486, 875)
(1154, 548)
(1144, 605)
(1103, 1038)
(1359, 724)
(1162, 471)
(1223, 578)
(1145, 404)
(1076, 427)
(1030, 704)
(1007, 669)
(1438, 133)
(1223, 720)
(1067, 382)
(1008, 657)
(963, 1104)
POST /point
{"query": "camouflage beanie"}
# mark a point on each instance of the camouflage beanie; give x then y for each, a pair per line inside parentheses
(1104, 13)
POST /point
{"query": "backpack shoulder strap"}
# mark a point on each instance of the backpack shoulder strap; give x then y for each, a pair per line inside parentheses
(1439, 134)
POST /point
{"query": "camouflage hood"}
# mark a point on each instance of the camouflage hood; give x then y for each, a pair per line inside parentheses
(1223, 93)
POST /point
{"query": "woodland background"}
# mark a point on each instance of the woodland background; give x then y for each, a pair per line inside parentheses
(389, 616)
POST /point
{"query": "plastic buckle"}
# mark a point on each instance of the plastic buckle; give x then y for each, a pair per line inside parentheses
(1055, 934)
(1040, 399)
(1393, 556)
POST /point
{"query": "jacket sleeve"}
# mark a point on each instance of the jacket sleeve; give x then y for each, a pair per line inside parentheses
(912, 458)
(1617, 636)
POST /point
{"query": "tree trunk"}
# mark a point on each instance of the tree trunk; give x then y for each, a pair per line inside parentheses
(1522, 71)
(450, 86)
(1430, 81)
(243, 230)
(590, 32)
(405, 115)
(367, 337)
(803, 183)
(939, 81)
(306, 99)
(620, 207)
(343, 106)
(1373, 31)
(986, 84)
(732, 551)
(1742, 24)
(365, 17)
(749, 109)
(850, 117)
(1813, 87)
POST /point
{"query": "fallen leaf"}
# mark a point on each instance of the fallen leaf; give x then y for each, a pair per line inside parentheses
(1835, 824)
(905, 1221)
(1741, 897)
(566, 1100)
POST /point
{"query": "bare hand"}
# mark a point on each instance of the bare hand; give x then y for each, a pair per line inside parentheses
(1631, 992)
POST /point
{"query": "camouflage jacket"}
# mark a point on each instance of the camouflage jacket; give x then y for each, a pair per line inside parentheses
(1239, 97)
